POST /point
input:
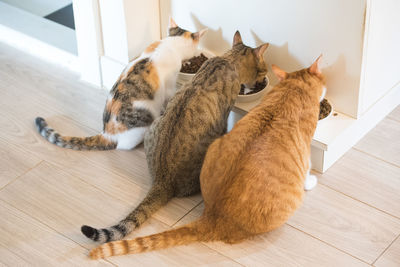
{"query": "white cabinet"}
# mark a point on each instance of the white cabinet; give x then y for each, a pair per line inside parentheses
(381, 59)
(128, 27)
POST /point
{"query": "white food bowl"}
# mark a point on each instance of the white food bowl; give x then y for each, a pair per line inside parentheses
(252, 97)
(329, 115)
(185, 77)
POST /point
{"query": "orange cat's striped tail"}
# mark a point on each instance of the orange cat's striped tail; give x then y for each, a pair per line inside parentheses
(180, 236)
(96, 142)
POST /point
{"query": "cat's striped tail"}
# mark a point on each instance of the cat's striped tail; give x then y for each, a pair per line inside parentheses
(96, 142)
(158, 196)
(184, 235)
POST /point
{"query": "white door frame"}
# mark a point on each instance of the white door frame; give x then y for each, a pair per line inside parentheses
(89, 39)
(112, 33)
(109, 33)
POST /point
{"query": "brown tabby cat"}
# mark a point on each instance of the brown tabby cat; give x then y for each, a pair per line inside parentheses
(253, 178)
(138, 96)
(177, 142)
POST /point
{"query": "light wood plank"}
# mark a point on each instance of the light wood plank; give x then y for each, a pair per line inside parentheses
(64, 202)
(27, 242)
(340, 221)
(14, 162)
(395, 114)
(60, 187)
(195, 254)
(61, 118)
(131, 165)
(284, 247)
(344, 223)
(94, 166)
(391, 257)
(32, 81)
(383, 141)
(367, 179)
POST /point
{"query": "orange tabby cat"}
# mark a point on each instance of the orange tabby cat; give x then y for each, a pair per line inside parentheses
(253, 178)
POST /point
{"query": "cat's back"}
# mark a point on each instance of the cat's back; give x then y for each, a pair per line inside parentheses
(199, 98)
(214, 73)
(194, 117)
(275, 132)
(260, 166)
(268, 139)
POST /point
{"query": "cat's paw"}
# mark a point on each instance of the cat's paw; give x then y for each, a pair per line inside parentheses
(310, 182)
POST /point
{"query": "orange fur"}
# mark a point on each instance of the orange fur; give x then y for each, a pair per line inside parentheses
(115, 106)
(152, 47)
(101, 140)
(151, 77)
(121, 88)
(96, 140)
(112, 127)
(130, 70)
(252, 178)
(109, 104)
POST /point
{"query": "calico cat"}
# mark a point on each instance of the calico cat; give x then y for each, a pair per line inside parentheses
(252, 178)
(138, 96)
(176, 143)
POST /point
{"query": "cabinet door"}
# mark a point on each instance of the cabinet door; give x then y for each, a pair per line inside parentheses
(381, 62)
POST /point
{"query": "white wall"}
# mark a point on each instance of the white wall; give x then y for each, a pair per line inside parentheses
(143, 24)
(298, 31)
(89, 39)
(382, 57)
(128, 27)
(113, 25)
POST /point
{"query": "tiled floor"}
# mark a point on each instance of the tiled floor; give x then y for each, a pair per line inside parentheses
(352, 218)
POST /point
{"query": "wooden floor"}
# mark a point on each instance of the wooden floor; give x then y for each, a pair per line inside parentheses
(352, 218)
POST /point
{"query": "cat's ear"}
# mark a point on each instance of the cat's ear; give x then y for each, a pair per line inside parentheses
(199, 34)
(237, 39)
(259, 51)
(314, 69)
(280, 73)
(172, 23)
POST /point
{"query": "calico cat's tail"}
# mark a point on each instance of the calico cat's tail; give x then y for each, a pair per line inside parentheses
(157, 197)
(96, 142)
(196, 231)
